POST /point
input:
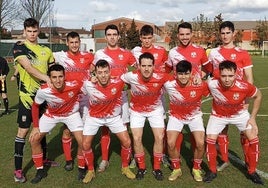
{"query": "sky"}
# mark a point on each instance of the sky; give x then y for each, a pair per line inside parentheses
(77, 14)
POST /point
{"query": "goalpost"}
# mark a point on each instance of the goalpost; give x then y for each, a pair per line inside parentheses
(264, 47)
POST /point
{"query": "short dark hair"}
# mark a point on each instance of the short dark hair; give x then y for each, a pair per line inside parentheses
(102, 63)
(228, 24)
(185, 25)
(146, 55)
(55, 67)
(72, 34)
(111, 26)
(226, 64)
(146, 30)
(30, 22)
(184, 66)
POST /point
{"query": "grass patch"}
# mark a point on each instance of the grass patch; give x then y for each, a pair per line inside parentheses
(234, 176)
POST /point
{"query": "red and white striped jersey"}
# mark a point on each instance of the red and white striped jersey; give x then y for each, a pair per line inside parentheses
(159, 53)
(118, 59)
(230, 102)
(192, 53)
(106, 101)
(185, 102)
(237, 55)
(76, 66)
(145, 96)
(62, 103)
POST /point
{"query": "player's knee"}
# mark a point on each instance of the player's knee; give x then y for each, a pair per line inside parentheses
(126, 143)
(171, 145)
(86, 146)
(159, 138)
(200, 145)
(22, 132)
(66, 133)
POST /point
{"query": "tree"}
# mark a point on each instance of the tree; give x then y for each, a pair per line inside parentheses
(238, 37)
(38, 9)
(8, 13)
(173, 32)
(216, 28)
(202, 30)
(133, 38)
(261, 33)
(123, 35)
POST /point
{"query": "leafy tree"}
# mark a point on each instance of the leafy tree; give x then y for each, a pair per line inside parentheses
(261, 33)
(133, 38)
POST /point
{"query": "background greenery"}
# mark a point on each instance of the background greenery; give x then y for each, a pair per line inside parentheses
(234, 176)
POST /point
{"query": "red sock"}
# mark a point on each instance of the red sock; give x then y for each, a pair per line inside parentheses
(67, 147)
(157, 160)
(105, 143)
(125, 156)
(197, 164)
(38, 160)
(211, 154)
(175, 163)
(140, 159)
(81, 161)
(253, 155)
(245, 145)
(179, 141)
(223, 142)
(89, 158)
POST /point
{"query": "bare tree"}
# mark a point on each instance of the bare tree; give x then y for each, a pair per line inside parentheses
(38, 9)
(8, 13)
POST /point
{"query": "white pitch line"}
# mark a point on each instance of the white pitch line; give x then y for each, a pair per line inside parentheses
(242, 163)
(263, 88)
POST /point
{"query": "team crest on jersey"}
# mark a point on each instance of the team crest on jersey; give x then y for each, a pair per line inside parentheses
(233, 56)
(193, 54)
(236, 96)
(192, 94)
(113, 91)
(43, 53)
(71, 94)
(155, 55)
(82, 60)
(120, 57)
(155, 84)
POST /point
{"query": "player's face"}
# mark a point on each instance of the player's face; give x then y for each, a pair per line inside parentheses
(183, 78)
(57, 79)
(227, 77)
(103, 75)
(147, 41)
(185, 36)
(146, 68)
(112, 38)
(31, 34)
(227, 36)
(73, 44)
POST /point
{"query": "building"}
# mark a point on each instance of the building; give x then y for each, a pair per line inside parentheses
(99, 35)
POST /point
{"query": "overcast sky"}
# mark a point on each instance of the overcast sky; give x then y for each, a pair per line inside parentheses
(76, 14)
